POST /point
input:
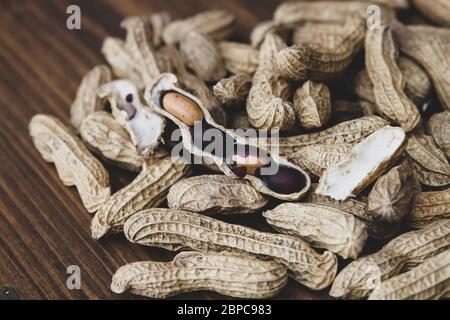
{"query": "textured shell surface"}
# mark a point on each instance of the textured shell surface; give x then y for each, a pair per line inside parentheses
(116, 54)
(233, 91)
(106, 137)
(312, 103)
(418, 86)
(259, 33)
(234, 275)
(431, 52)
(319, 157)
(359, 278)
(175, 229)
(87, 101)
(429, 162)
(347, 132)
(367, 161)
(295, 13)
(428, 281)
(148, 189)
(167, 83)
(391, 197)
(218, 24)
(202, 55)
(310, 61)
(140, 48)
(239, 58)
(215, 194)
(267, 104)
(387, 79)
(439, 128)
(75, 165)
(429, 207)
(321, 226)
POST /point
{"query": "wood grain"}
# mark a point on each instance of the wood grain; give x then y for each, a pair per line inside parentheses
(43, 225)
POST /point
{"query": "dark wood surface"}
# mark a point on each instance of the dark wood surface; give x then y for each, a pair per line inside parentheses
(43, 225)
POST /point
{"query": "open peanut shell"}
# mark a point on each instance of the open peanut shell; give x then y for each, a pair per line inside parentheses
(145, 127)
(167, 83)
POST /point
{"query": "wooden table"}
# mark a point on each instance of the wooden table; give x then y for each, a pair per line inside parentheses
(43, 226)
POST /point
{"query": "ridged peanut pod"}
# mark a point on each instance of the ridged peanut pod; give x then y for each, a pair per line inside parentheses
(426, 31)
(73, 161)
(174, 229)
(429, 207)
(154, 25)
(432, 53)
(387, 79)
(267, 104)
(259, 33)
(106, 137)
(140, 48)
(202, 55)
(148, 189)
(428, 281)
(418, 86)
(405, 252)
(233, 91)
(366, 162)
(429, 162)
(318, 33)
(229, 274)
(437, 10)
(439, 127)
(116, 54)
(312, 104)
(348, 132)
(239, 58)
(319, 157)
(321, 226)
(215, 194)
(391, 197)
(87, 101)
(218, 24)
(358, 208)
(310, 61)
(295, 13)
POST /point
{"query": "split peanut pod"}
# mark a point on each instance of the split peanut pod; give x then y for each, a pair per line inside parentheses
(367, 161)
(145, 127)
(75, 165)
(175, 229)
(268, 173)
(232, 275)
(360, 277)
